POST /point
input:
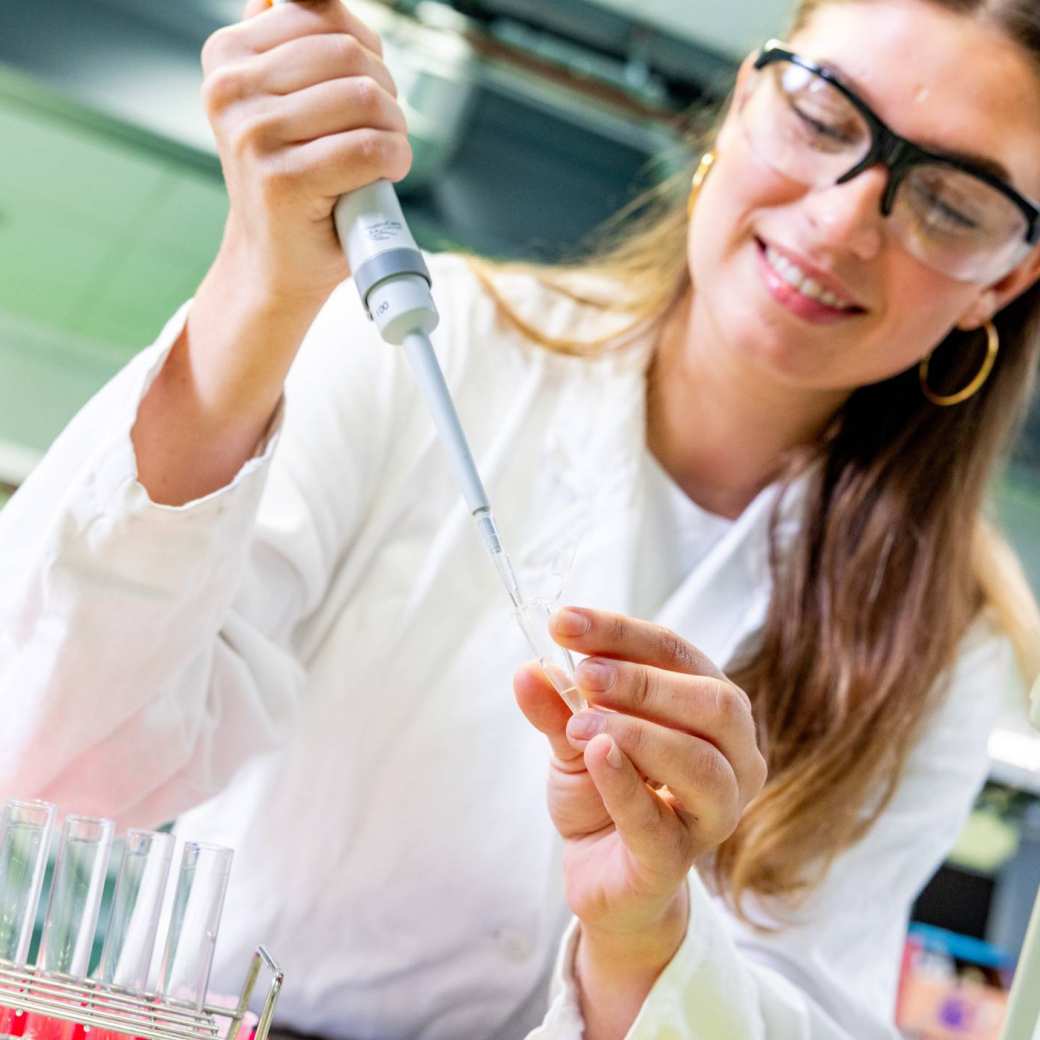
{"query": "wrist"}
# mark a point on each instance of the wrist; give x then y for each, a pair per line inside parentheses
(268, 280)
(649, 946)
(241, 341)
(615, 970)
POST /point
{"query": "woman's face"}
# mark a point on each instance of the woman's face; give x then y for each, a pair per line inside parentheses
(942, 80)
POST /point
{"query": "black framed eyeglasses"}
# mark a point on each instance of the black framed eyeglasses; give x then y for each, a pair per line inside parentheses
(956, 215)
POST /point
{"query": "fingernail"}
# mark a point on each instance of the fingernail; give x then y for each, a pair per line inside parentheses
(571, 622)
(614, 755)
(584, 725)
(596, 674)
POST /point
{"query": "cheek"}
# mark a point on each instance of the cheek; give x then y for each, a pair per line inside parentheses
(738, 189)
(921, 308)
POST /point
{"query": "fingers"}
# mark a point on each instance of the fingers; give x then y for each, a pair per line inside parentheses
(327, 90)
(600, 633)
(337, 106)
(651, 832)
(544, 709)
(696, 773)
(265, 28)
(337, 163)
(292, 67)
(574, 803)
(714, 710)
(287, 21)
(307, 61)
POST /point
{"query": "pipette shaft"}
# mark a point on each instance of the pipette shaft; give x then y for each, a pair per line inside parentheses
(394, 284)
(428, 374)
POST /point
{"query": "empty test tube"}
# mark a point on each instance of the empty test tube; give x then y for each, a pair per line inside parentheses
(25, 830)
(198, 903)
(134, 922)
(556, 661)
(72, 912)
(136, 905)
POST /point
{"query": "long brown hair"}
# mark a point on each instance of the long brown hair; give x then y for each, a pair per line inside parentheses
(893, 561)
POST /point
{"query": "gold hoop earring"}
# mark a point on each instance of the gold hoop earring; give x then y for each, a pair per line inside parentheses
(706, 163)
(945, 400)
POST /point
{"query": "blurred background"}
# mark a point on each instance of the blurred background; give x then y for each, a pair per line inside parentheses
(532, 122)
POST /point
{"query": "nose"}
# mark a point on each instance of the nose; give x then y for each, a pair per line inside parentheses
(847, 217)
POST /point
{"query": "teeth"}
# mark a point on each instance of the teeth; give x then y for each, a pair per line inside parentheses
(798, 279)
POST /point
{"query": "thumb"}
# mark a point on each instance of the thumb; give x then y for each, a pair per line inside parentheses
(545, 711)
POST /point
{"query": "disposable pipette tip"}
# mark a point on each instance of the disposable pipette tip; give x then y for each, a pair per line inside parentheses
(508, 576)
(493, 543)
(555, 661)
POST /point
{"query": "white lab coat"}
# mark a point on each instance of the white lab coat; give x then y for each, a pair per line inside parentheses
(314, 664)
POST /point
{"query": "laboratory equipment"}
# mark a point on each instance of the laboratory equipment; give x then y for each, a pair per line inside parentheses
(54, 997)
(102, 1008)
(394, 284)
(556, 661)
(25, 829)
(134, 921)
(72, 912)
(198, 903)
(132, 927)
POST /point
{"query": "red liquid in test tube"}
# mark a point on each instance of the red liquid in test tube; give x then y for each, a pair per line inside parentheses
(12, 1023)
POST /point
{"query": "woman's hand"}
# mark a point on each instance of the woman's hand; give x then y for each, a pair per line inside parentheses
(303, 110)
(654, 775)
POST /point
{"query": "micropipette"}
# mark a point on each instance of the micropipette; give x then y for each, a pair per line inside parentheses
(394, 284)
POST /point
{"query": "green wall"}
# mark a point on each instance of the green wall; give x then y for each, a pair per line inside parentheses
(104, 231)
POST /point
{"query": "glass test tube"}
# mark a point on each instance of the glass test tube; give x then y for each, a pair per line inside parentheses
(25, 830)
(72, 912)
(136, 905)
(556, 661)
(134, 921)
(198, 903)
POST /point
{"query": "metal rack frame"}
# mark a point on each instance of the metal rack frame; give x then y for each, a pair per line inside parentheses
(100, 1006)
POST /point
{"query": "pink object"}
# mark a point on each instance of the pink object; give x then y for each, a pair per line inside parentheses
(42, 1027)
(12, 1023)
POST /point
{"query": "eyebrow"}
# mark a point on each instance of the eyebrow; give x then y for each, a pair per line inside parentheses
(979, 162)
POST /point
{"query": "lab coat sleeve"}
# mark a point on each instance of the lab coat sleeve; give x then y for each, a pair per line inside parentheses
(147, 651)
(833, 974)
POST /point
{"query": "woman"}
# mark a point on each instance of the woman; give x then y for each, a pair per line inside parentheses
(273, 619)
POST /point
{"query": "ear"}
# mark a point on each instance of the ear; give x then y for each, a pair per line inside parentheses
(996, 297)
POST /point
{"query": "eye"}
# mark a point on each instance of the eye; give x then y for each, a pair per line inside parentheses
(831, 131)
(941, 212)
(817, 112)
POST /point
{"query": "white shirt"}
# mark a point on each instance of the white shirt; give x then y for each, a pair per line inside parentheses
(675, 535)
(314, 665)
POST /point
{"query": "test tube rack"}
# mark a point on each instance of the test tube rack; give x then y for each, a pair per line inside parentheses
(99, 1006)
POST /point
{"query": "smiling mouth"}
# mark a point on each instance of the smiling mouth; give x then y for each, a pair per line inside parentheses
(804, 284)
